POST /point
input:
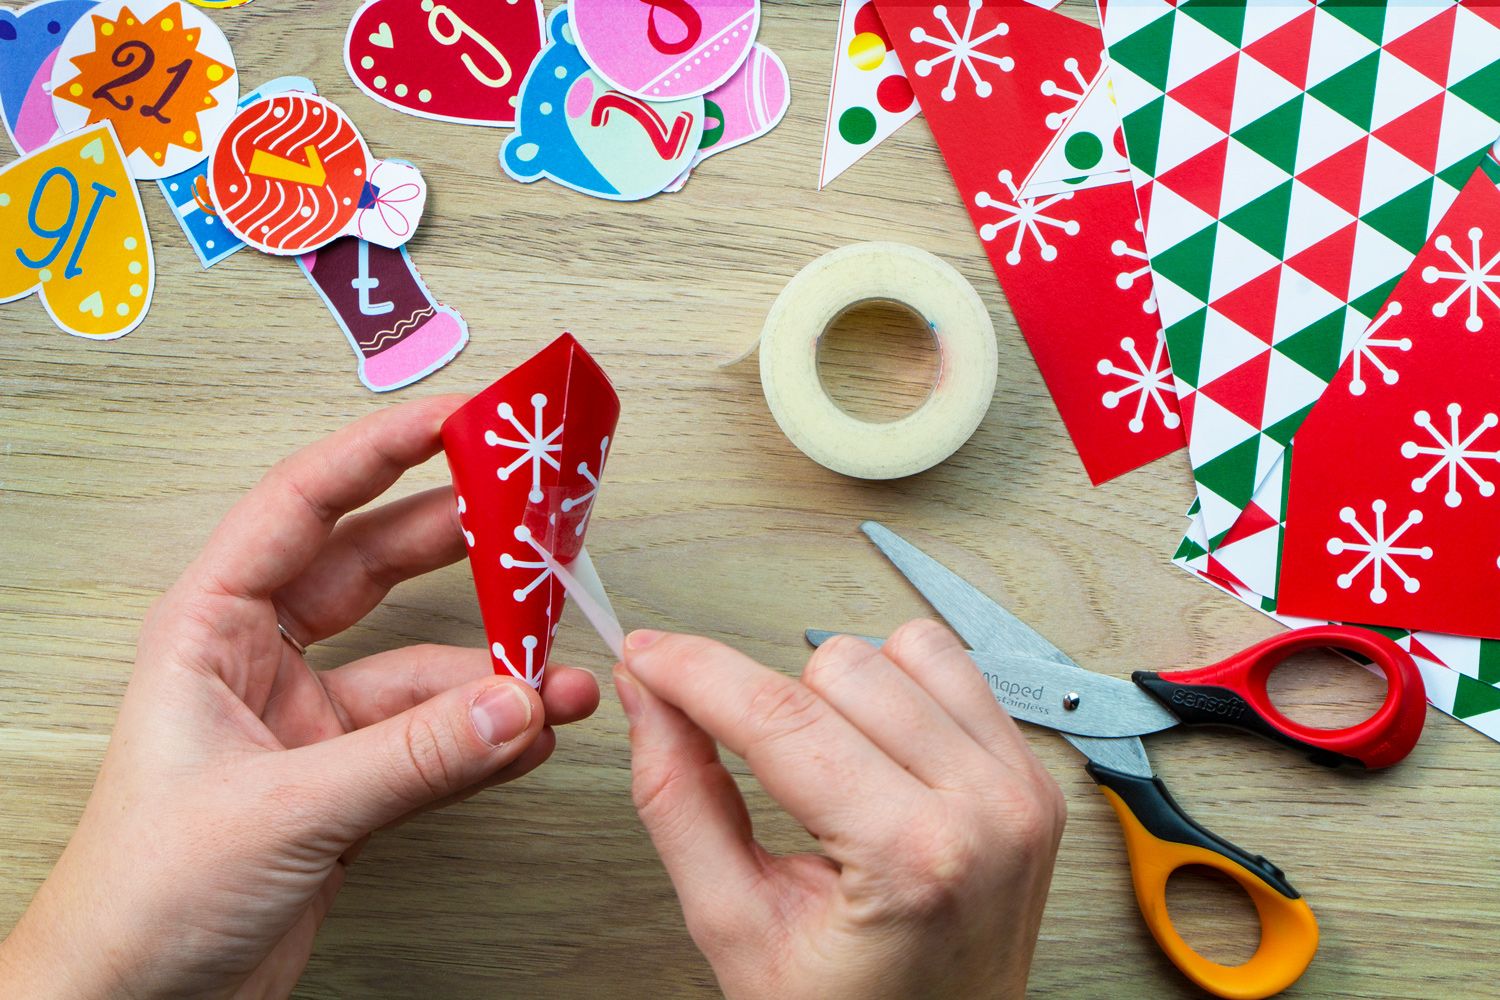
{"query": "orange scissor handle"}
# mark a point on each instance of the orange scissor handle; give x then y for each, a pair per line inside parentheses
(1160, 838)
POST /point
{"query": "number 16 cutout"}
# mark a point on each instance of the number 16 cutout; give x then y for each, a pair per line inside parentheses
(71, 228)
(161, 73)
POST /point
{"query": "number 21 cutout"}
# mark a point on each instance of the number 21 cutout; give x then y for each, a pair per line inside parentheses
(160, 72)
(663, 50)
(74, 231)
(583, 133)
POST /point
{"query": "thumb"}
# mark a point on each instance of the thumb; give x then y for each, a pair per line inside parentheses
(427, 753)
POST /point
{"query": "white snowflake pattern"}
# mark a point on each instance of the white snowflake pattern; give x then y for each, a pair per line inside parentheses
(963, 49)
(1026, 214)
(1473, 277)
(540, 563)
(463, 509)
(1454, 453)
(1378, 550)
(593, 491)
(1148, 381)
(1368, 348)
(1051, 88)
(536, 446)
(1126, 280)
(531, 674)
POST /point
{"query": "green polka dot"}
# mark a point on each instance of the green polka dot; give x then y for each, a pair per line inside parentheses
(1083, 150)
(857, 126)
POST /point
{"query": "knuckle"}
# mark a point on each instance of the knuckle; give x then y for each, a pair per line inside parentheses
(835, 660)
(779, 708)
(922, 639)
(937, 861)
(429, 754)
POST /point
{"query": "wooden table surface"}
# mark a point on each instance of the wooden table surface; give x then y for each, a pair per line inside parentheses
(119, 457)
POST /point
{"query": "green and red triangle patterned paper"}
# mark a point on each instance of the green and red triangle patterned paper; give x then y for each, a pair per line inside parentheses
(1292, 158)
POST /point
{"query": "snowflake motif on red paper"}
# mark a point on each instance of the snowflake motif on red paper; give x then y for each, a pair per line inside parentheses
(1472, 277)
(587, 497)
(529, 673)
(1148, 381)
(1367, 351)
(463, 509)
(1378, 551)
(1028, 218)
(962, 50)
(1126, 280)
(1051, 88)
(1453, 453)
(540, 564)
(535, 445)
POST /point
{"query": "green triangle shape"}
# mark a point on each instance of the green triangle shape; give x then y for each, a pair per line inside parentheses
(1225, 18)
(1474, 698)
(1487, 164)
(1189, 265)
(1232, 474)
(1195, 507)
(1363, 16)
(1147, 52)
(1188, 551)
(1143, 135)
(1481, 89)
(1264, 220)
(1369, 304)
(1351, 91)
(1318, 347)
(1489, 661)
(1403, 219)
(1281, 432)
(1185, 348)
(1274, 134)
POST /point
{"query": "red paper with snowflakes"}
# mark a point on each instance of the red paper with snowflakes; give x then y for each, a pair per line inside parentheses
(527, 455)
(1392, 516)
(996, 80)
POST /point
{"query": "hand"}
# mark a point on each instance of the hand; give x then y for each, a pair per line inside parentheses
(239, 783)
(940, 826)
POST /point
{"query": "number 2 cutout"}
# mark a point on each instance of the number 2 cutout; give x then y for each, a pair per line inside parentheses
(668, 145)
(60, 234)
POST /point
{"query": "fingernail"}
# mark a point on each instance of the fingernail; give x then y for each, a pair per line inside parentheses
(641, 638)
(500, 714)
(630, 696)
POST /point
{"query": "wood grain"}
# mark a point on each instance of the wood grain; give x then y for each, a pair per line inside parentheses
(116, 459)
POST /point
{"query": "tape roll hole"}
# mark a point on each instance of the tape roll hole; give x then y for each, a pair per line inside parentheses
(878, 360)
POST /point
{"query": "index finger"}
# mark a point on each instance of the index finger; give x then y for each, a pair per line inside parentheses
(277, 528)
(812, 760)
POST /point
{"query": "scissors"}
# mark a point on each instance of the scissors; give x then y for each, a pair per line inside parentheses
(1103, 717)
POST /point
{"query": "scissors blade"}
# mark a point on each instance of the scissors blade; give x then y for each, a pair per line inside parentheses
(1126, 754)
(981, 622)
(1038, 691)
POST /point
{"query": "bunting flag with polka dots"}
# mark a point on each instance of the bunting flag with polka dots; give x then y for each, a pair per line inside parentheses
(870, 96)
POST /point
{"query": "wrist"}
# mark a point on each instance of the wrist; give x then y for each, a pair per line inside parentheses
(44, 957)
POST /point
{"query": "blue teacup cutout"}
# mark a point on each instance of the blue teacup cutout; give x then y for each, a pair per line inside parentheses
(577, 130)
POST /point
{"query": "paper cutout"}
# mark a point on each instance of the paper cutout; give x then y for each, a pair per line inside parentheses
(1392, 516)
(1295, 158)
(399, 332)
(74, 231)
(292, 173)
(161, 72)
(29, 39)
(527, 456)
(870, 96)
(581, 133)
(1089, 148)
(665, 50)
(218, 4)
(750, 104)
(1071, 264)
(187, 192)
(460, 61)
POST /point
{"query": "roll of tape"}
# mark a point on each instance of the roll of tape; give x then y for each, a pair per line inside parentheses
(809, 305)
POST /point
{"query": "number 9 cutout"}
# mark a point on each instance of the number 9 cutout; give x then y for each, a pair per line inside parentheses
(73, 230)
(161, 72)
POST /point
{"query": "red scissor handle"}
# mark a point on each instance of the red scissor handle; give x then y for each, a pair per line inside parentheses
(1233, 693)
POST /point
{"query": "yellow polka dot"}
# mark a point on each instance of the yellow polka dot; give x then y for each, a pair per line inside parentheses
(190, 137)
(158, 155)
(216, 72)
(130, 21)
(106, 29)
(76, 89)
(207, 101)
(166, 24)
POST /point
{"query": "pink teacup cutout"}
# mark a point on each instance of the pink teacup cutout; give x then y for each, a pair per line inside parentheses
(662, 50)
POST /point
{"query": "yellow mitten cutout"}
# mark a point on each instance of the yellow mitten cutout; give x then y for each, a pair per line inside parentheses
(71, 227)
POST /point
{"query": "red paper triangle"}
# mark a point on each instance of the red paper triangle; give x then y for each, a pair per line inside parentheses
(1329, 262)
(1428, 47)
(1200, 179)
(1416, 134)
(1252, 306)
(1220, 572)
(1242, 390)
(1210, 94)
(1252, 521)
(1418, 649)
(1341, 177)
(1286, 50)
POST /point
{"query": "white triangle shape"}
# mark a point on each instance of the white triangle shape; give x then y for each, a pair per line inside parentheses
(1263, 18)
(1335, 46)
(1194, 49)
(1377, 260)
(1299, 304)
(1476, 44)
(1173, 219)
(1443, 197)
(1226, 346)
(1125, 17)
(1236, 261)
(1253, 560)
(1402, 18)
(1289, 388)
(1388, 174)
(1465, 129)
(1398, 89)
(1173, 304)
(1183, 135)
(1247, 176)
(1323, 132)
(1257, 92)
(1215, 431)
(1313, 219)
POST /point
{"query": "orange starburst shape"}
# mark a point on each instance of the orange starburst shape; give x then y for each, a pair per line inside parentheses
(149, 78)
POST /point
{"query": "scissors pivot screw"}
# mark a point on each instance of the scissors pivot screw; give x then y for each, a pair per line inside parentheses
(1071, 700)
